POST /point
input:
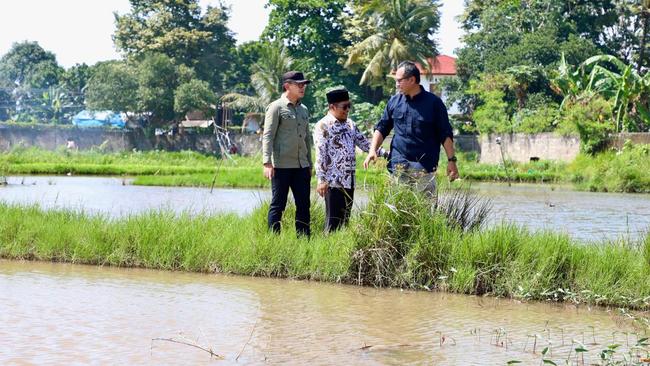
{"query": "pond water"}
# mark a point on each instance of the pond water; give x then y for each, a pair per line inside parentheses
(583, 215)
(116, 197)
(70, 314)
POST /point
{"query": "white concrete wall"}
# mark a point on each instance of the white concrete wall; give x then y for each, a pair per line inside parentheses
(521, 147)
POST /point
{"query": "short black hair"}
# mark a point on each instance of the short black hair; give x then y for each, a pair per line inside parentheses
(410, 70)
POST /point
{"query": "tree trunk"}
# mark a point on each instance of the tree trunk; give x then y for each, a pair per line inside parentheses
(644, 15)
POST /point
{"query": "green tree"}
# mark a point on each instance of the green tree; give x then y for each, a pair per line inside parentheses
(178, 29)
(311, 30)
(28, 65)
(7, 103)
(112, 86)
(515, 36)
(27, 71)
(400, 30)
(265, 79)
(157, 80)
(239, 80)
(194, 95)
(74, 81)
(492, 115)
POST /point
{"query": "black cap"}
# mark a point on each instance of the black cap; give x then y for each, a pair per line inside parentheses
(337, 95)
(295, 77)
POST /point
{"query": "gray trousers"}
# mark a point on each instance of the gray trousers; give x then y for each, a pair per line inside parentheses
(419, 179)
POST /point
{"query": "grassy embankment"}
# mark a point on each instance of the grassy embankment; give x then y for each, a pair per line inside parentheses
(160, 168)
(397, 241)
(625, 171)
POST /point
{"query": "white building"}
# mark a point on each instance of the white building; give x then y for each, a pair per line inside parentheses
(441, 67)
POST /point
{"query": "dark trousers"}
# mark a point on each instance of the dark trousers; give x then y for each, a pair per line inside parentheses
(298, 180)
(338, 204)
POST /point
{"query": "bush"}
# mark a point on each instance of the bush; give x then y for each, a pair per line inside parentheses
(614, 171)
(593, 120)
(536, 120)
(491, 116)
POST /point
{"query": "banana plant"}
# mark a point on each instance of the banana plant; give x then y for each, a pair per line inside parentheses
(54, 102)
(620, 83)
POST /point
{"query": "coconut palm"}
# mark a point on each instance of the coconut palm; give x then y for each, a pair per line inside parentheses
(265, 80)
(401, 30)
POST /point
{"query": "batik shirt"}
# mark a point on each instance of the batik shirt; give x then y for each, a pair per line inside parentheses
(335, 151)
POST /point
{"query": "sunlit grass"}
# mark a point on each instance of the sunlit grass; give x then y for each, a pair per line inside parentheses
(400, 239)
(624, 171)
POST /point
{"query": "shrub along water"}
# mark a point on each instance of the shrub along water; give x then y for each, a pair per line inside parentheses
(627, 170)
(399, 239)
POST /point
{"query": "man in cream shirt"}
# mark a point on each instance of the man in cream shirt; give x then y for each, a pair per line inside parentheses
(286, 153)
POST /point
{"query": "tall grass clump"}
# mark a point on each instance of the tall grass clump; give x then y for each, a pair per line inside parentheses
(402, 238)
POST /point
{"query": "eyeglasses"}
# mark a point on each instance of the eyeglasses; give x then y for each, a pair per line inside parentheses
(300, 85)
(399, 81)
(344, 106)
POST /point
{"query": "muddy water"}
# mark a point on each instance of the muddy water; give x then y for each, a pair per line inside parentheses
(69, 314)
(115, 197)
(583, 215)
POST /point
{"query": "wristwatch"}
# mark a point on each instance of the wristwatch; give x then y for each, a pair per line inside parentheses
(453, 158)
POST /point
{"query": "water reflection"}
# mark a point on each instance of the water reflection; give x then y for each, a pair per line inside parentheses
(61, 314)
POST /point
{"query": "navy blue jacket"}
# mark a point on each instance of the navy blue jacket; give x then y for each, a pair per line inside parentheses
(421, 125)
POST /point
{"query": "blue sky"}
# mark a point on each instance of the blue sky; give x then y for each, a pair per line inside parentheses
(80, 30)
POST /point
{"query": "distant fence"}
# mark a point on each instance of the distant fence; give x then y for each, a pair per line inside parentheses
(55, 137)
(618, 140)
(489, 148)
(520, 147)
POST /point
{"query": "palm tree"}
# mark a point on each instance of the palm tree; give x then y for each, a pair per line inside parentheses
(401, 30)
(265, 80)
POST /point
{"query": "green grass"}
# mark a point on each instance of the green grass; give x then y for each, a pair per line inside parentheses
(624, 171)
(398, 241)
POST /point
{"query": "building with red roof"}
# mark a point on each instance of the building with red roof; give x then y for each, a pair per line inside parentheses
(441, 67)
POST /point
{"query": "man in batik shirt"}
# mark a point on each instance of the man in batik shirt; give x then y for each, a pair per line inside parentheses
(335, 137)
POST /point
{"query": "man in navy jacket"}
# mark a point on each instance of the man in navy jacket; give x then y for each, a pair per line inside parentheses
(421, 125)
